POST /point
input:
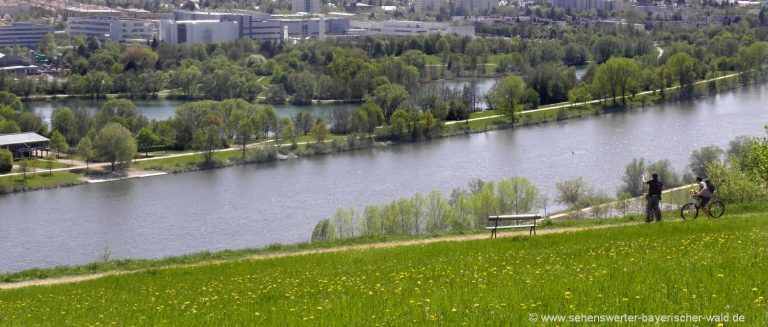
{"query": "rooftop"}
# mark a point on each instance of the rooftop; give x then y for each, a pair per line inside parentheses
(21, 138)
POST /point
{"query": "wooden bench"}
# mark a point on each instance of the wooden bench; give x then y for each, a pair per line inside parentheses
(521, 221)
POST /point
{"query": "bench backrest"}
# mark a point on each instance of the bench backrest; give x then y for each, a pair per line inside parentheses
(514, 217)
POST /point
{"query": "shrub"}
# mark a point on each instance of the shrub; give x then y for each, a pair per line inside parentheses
(6, 161)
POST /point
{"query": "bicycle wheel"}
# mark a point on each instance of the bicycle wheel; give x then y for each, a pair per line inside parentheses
(716, 209)
(689, 211)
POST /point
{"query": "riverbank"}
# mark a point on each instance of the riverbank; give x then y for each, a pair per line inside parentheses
(478, 122)
(647, 269)
(107, 266)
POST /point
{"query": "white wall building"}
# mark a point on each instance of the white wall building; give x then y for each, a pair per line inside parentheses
(23, 34)
(198, 31)
(113, 28)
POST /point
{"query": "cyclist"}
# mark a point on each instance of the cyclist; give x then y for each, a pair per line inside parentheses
(653, 199)
(704, 194)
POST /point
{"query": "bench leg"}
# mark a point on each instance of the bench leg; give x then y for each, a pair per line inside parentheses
(532, 231)
(493, 233)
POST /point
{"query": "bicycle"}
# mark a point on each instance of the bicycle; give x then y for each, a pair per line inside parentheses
(690, 210)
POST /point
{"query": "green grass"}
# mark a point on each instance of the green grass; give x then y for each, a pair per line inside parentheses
(697, 268)
(39, 180)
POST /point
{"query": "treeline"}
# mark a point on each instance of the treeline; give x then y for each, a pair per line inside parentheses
(739, 173)
(351, 69)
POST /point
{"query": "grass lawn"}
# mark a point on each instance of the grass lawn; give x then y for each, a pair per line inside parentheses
(39, 180)
(703, 267)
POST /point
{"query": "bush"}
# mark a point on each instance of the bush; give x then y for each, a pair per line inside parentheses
(324, 231)
(6, 161)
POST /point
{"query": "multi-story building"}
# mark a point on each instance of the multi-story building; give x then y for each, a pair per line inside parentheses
(606, 5)
(408, 28)
(113, 28)
(258, 25)
(429, 6)
(479, 6)
(23, 34)
(310, 6)
(198, 31)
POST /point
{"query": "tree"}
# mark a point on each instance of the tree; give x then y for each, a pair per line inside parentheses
(85, 150)
(390, 97)
(146, 139)
(399, 124)
(245, 130)
(323, 231)
(616, 78)
(303, 122)
(207, 138)
(320, 130)
(506, 95)
(682, 67)
(580, 94)
(633, 177)
(701, 158)
(50, 162)
(287, 130)
(58, 142)
(517, 195)
(668, 177)
(6, 161)
(570, 192)
(114, 143)
(47, 45)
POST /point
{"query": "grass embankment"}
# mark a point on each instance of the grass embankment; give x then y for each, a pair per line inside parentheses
(39, 180)
(696, 268)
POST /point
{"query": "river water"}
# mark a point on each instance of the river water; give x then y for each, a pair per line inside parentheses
(257, 205)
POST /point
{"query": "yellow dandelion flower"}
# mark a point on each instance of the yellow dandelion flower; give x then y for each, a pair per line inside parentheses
(567, 295)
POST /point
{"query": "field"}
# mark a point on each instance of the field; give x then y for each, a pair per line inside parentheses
(703, 267)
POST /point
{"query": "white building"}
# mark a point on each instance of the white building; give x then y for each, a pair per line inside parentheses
(198, 31)
(407, 28)
(309, 6)
(113, 28)
(479, 6)
(23, 34)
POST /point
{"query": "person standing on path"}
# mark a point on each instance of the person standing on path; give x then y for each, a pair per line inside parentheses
(653, 199)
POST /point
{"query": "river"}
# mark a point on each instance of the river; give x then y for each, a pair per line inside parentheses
(257, 205)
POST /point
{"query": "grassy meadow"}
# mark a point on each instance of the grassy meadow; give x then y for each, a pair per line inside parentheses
(695, 267)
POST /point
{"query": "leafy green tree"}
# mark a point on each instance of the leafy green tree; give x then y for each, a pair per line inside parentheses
(633, 177)
(146, 139)
(207, 139)
(664, 168)
(580, 94)
(10, 100)
(616, 78)
(6, 161)
(85, 150)
(64, 121)
(517, 195)
(50, 162)
(245, 130)
(303, 121)
(703, 157)
(8, 126)
(323, 231)
(390, 97)
(58, 142)
(287, 130)
(682, 67)
(571, 192)
(187, 79)
(399, 124)
(320, 130)
(304, 87)
(506, 95)
(47, 45)
(114, 143)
